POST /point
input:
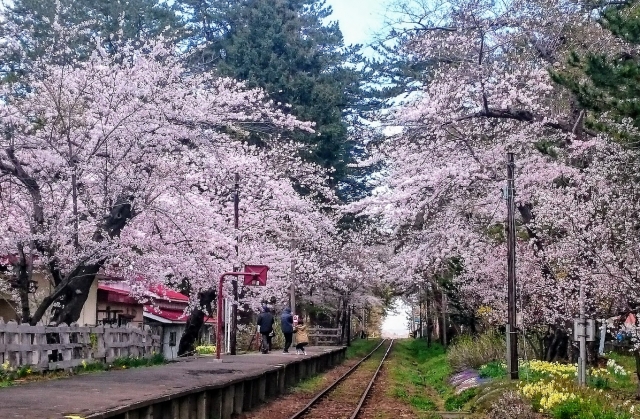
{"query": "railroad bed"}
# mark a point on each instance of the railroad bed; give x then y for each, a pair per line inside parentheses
(345, 398)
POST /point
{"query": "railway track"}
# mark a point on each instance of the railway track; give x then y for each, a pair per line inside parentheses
(345, 397)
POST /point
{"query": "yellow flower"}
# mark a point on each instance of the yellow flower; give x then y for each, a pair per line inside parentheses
(5, 365)
(551, 393)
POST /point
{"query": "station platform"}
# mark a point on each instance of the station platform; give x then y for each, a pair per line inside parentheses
(192, 388)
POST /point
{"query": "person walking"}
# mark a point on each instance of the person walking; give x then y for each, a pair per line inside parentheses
(286, 324)
(302, 337)
(265, 327)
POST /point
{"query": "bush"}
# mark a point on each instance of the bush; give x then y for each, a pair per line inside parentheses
(510, 406)
(474, 352)
(585, 409)
(494, 369)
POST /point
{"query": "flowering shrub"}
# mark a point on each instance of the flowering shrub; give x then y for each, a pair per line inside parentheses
(547, 394)
(550, 369)
(511, 405)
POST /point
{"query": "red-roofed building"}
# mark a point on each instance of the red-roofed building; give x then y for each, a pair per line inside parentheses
(161, 308)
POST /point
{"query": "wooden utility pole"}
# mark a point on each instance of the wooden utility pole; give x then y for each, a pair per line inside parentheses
(234, 307)
(512, 333)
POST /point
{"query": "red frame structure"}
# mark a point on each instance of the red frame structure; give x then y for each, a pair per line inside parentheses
(253, 275)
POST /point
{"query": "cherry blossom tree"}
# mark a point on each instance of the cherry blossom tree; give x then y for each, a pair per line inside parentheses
(123, 164)
(489, 92)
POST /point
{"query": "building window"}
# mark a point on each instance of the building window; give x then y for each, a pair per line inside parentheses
(172, 338)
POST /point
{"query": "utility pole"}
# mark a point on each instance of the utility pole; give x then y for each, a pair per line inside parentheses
(582, 330)
(234, 307)
(512, 333)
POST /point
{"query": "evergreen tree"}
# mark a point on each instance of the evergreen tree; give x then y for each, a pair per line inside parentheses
(109, 21)
(287, 48)
(603, 83)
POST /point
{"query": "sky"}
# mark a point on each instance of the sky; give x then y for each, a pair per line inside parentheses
(359, 21)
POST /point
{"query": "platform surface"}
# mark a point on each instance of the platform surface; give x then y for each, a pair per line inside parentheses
(92, 393)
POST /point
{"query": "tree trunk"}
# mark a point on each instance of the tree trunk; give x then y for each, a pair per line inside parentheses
(22, 282)
(68, 307)
(195, 322)
(71, 293)
(636, 355)
(343, 317)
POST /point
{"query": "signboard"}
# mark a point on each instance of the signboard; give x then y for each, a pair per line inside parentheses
(588, 329)
(255, 275)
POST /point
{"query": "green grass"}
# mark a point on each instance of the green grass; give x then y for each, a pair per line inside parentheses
(627, 361)
(130, 362)
(422, 403)
(309, 385)
(458, 401)
(361, 347)
(419, 374)
(8, 377)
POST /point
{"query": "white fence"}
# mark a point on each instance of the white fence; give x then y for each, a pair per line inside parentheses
(58, 347)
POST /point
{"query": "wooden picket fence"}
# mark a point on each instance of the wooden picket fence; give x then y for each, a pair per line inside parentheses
(59, 347)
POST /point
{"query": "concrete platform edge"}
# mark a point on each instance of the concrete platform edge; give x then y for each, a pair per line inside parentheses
(292, 373)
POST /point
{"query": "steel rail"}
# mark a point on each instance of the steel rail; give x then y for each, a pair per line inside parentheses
(356, 412)
(338, 381)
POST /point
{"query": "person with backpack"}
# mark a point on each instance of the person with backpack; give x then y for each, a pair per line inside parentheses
(265, 327)
(302, 337)
(286, 324)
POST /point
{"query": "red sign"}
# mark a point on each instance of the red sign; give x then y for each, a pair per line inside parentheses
(255, 275)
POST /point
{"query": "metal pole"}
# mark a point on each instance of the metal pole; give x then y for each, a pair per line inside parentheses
(219, 318)
(512, 334)
(582, 362)
(234, 308)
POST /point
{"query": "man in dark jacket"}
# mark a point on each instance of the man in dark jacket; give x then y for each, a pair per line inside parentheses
(286, 323)
(265, 323)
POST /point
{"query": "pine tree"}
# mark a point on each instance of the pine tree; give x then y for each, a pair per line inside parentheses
(286, 48)
(609, 84)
